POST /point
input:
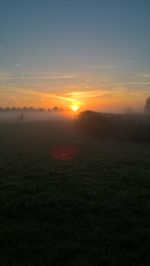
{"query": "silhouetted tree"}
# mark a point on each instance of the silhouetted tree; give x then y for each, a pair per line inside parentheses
(133, 127)
(147, 106)
(55, 109)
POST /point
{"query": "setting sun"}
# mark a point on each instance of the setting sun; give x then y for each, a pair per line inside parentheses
(74, 107)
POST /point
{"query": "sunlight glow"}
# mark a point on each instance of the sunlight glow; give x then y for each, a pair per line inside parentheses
(74, 107)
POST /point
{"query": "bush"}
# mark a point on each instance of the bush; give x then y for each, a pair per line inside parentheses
(117, 126)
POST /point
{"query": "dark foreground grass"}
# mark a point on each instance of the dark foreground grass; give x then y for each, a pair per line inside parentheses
(91, 210)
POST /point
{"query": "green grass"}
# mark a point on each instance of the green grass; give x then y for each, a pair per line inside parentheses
(91, 210)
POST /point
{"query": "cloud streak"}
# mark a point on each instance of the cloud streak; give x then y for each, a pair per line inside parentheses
(61, 97)
(99, 67)
(38, 78)
(143, 75)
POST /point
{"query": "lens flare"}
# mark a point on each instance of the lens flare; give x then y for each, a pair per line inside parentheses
(63, 153)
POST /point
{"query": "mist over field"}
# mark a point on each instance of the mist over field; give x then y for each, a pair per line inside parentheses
(71, 196)
(13, 116)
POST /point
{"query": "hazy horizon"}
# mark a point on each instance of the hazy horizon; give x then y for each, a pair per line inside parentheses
(94, 54)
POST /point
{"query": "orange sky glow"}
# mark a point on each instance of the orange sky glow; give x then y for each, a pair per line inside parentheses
(98, 93)
(83, 99)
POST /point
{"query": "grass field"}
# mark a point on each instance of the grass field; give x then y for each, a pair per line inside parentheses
(90, 208)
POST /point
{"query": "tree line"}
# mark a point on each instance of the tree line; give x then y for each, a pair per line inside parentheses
(128, 126)
(30, 109)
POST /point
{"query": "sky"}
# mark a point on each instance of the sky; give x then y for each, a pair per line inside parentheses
(94, 53)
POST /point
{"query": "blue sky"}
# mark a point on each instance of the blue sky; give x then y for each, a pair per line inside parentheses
(87, 48)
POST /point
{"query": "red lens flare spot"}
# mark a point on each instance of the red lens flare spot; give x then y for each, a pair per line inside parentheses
(63, 153)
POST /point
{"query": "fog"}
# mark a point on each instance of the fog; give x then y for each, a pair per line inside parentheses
(12, 116)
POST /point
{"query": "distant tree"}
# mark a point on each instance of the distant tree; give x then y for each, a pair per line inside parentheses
(128, 110)
(147, 106)
(7, 109)
(40, 109)
(30, 109)
(55, 109)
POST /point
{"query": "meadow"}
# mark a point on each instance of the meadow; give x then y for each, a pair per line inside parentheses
(69, 199)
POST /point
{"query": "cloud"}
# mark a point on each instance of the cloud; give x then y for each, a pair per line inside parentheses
(4, 74)
(15, 100)
(62, 96)
(136, 83)
(101, 67)
(143, 75)
(83, 96)
(18, 65)
(37, 77)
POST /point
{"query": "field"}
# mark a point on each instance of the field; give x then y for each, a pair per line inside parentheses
(67, 199)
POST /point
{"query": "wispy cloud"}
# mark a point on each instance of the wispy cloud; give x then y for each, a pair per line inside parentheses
(62, 96)
(86, 93)
(36, 77)
(143, 75)
(18, 65)
(16, 101)
(4, 74)
(100, 66)
(136, 83)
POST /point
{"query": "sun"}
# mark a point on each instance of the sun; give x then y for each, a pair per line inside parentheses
(74, 107)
